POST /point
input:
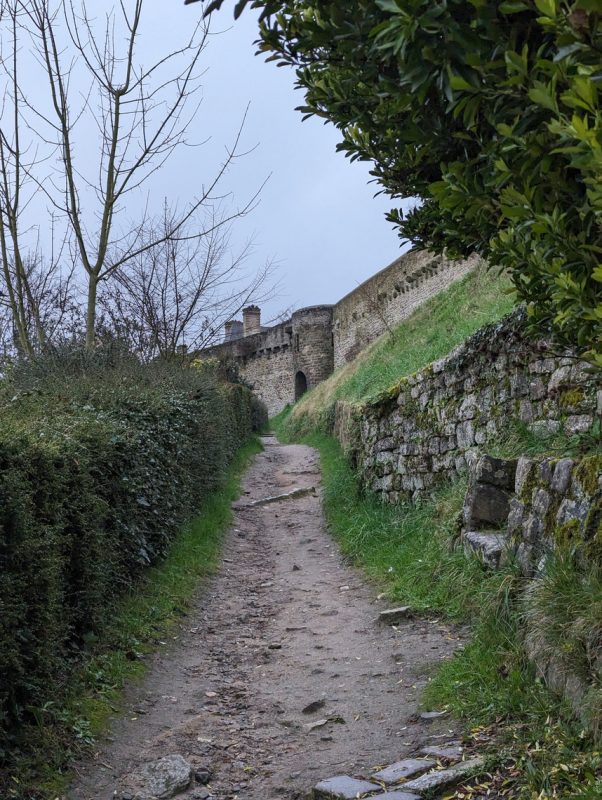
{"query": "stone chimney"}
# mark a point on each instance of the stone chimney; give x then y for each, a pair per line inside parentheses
(251, 316)
(233, 329)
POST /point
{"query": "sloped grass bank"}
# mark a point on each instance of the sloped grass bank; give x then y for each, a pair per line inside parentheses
(141, 623)
(536, 750)
(431, 332)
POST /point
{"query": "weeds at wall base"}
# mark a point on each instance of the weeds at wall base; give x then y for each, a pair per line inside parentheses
(143, 623)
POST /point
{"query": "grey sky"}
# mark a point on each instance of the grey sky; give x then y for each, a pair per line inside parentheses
(318, 216)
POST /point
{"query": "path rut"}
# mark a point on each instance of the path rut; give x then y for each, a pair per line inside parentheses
(286, 623)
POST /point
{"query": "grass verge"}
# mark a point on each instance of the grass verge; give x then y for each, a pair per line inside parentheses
(537, 750)
(142, 623)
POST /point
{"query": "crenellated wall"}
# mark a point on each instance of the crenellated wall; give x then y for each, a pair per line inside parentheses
(389, 297)
(282, 361)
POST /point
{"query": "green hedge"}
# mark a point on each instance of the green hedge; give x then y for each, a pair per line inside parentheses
(98, 470)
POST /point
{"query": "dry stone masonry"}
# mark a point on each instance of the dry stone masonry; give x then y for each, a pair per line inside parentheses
(425, 428)
(526, 511)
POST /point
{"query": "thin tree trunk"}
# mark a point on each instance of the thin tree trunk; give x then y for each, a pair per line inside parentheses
(91, 312)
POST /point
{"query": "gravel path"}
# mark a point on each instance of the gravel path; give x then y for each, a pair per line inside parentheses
(283, 637)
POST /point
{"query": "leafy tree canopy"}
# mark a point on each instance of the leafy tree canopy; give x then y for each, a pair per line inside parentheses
(489, 112)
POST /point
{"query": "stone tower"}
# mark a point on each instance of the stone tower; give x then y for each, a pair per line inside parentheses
(313, 349)
(251, 320)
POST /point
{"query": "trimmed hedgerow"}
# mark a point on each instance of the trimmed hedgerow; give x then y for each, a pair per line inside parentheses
(100, 464)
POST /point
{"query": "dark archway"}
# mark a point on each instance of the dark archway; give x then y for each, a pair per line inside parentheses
(300, 385)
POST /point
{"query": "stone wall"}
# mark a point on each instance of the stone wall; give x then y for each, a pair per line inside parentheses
(389, 297)
(265, 361)
(528, 512)
(423, 429)
(318, 339)
(556, 502)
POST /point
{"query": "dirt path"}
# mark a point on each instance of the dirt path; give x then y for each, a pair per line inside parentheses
(286, 623)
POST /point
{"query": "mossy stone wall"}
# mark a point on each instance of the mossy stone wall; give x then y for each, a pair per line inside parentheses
(424, 428)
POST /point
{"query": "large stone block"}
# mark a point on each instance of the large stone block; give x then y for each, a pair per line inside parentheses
(524, 472)
(486, 506)
(465, 435)
(515, 517)
(495, 471)
(578, 423)
(489, 546)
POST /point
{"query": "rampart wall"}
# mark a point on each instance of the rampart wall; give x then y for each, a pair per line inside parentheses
(283, 361)
(389, 297)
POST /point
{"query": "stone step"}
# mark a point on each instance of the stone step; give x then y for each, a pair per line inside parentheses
(403, 769)
(489, 546)
(442, 779)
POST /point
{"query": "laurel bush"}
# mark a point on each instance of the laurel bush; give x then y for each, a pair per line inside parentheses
(488, 112)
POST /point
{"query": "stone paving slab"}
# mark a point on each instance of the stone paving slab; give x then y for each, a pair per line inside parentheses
(391, 616)
(449, 751)
(397, 795)
(431, 715)
(403, 769)
(343, 787)
(441, 779)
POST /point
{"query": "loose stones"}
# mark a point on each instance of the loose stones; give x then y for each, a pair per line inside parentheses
(162, 779)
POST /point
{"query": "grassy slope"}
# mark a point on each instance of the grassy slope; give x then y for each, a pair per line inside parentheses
(430, 333)
(141, 625)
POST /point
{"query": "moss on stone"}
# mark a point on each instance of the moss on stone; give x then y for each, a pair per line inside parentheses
(570, 396)
(566, 534)
(529, 485)
(593, 533)
(588, 472)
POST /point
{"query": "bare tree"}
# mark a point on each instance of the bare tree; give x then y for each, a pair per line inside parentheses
(178, 292)
(141, 115)
(15, 164)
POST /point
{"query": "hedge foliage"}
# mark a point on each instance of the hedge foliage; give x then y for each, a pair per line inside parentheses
(100, 464)
(488, 111)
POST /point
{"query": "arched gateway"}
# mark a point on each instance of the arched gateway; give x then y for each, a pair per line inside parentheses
(300, 385)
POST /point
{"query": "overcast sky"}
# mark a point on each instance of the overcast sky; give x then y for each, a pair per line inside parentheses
(318, 216)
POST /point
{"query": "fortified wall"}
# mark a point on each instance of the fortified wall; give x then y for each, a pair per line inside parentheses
(283, 361)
